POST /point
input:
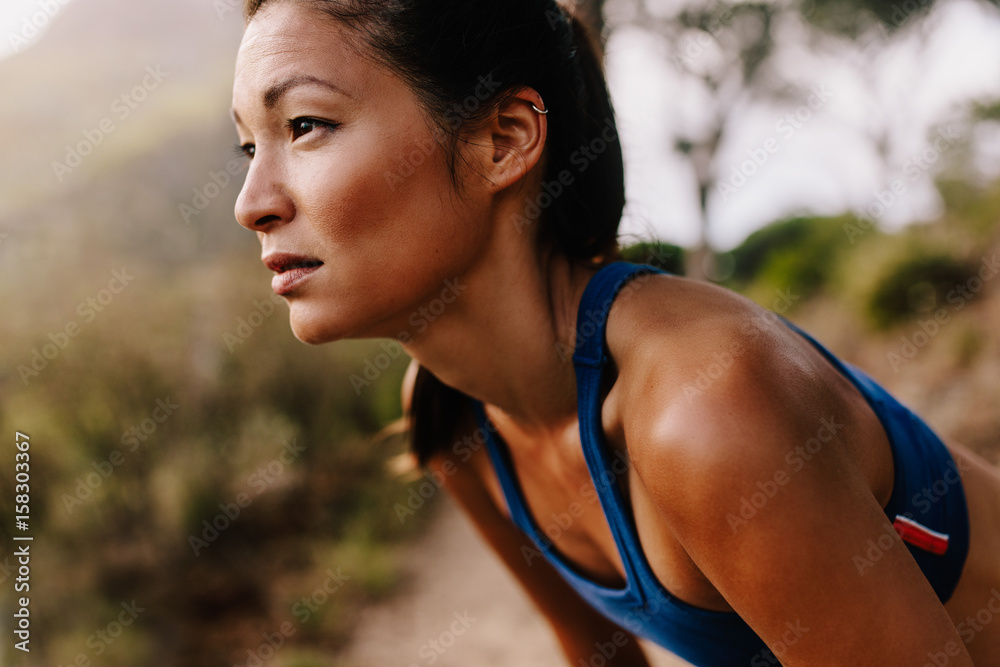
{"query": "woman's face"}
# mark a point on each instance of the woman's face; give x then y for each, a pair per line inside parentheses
(349, 194)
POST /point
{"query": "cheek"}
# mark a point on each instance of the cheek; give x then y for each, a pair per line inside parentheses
(380, 197)
(391, 228)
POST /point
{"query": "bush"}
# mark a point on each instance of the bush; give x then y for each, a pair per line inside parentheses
(801, 254)
(915, 285)
(665, 256)
(259, 474)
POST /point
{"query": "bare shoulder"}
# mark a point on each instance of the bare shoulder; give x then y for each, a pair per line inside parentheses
(724, 408)
(696, 341)
(703, 373)
(692, 316)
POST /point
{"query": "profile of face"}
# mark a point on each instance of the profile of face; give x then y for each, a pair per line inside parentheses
(356, 246)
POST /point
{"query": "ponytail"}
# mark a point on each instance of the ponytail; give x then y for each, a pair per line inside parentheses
(582, 223)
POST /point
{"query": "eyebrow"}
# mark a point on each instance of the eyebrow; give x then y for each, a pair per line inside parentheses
(274, 94)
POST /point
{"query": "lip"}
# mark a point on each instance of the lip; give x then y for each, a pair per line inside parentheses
(291, 270)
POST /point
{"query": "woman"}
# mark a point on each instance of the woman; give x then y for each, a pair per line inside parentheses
(446, 172)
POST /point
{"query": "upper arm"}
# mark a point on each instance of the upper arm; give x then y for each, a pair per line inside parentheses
(755, 481)
(577, 626)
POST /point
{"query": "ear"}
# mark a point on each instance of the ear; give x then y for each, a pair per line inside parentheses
(515, 138)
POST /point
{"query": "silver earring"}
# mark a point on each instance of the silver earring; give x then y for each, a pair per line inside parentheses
(539, 110)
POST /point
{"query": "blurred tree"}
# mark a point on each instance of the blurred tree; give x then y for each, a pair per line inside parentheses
(726, 55)
(967, 184)
(987, 111)
(724, 50)
(853, 17)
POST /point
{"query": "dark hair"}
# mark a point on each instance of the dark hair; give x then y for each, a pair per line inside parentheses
(449, 52)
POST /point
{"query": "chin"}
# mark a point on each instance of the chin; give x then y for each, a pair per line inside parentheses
(317, 325)
(313, 328)
(310, 337)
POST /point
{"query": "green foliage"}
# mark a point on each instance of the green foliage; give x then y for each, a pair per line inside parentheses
(971, 208)
(969, 345)
(915, 285)
(665, 256)
(801, 254)
(851, 18)
(267, 427)
(988, 110)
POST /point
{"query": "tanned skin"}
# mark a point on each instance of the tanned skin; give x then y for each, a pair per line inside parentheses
(323, 124)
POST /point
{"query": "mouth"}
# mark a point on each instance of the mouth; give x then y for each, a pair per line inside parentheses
(304, 264)
(291, 271)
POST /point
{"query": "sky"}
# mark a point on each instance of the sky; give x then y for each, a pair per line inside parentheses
(823, 165)
(826, 165)
(24, 22)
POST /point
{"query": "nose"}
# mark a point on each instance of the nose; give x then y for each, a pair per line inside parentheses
(264, 203)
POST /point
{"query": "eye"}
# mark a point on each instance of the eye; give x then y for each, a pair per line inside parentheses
(245, 150)
(302, 126)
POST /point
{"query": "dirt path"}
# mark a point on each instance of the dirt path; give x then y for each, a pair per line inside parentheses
(460, 608)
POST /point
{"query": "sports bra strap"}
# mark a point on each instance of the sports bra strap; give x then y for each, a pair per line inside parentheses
(589, 359)
(592, 316)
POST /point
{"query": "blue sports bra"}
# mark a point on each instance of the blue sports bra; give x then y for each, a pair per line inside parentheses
(936, 534)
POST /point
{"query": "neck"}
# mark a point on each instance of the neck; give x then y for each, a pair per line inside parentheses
(508, 339)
